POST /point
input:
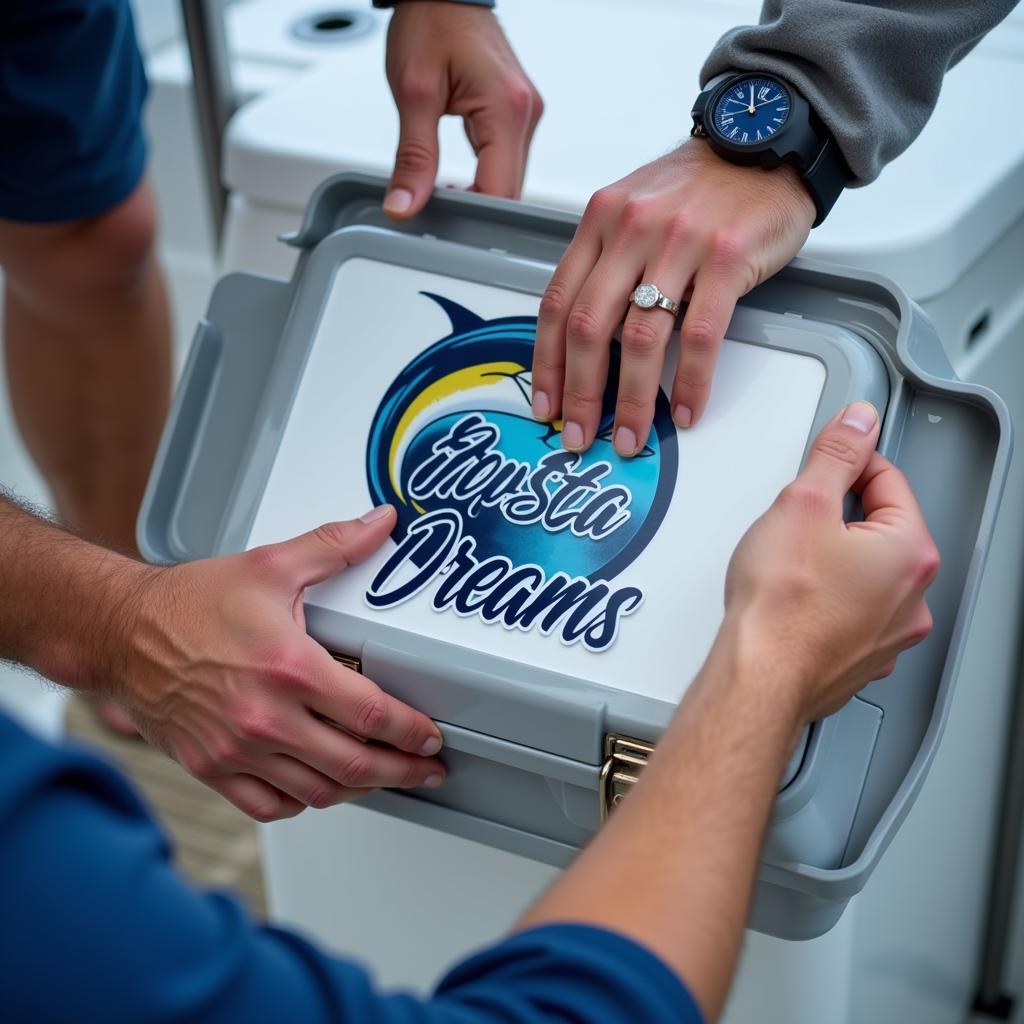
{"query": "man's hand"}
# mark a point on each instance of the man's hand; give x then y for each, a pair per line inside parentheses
(221, 674)
(688, 222)
(445, 58)
(815, 608)
(834, 602)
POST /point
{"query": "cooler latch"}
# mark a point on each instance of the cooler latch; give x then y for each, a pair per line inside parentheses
(356, 664)
(624, 759)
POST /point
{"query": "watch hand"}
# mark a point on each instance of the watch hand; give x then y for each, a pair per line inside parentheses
(751, 108)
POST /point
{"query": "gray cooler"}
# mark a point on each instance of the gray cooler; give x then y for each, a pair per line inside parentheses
(549, 610)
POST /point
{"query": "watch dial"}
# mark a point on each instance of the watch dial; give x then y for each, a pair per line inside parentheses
(752, 111)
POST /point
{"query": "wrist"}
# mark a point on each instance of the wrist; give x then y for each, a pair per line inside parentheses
(754, 668)
(121, 603)
(783, 184)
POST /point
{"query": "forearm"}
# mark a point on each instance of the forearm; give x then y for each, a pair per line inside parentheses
(871, 69)
(675, 866)
(65, 604)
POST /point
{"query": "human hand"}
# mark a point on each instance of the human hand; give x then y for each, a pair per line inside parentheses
(220, 673)
(833, 603)
(445, 58)
(689, 221)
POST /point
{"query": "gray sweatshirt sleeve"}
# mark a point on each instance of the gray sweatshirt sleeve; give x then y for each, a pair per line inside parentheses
(871, 69)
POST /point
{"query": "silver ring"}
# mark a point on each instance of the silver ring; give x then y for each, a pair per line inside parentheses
(647, 296)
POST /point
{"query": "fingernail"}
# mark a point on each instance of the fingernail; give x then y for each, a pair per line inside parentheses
(433, 781)
(682, 416)
(861, 416)
(541, 406)
(398, 200)
(625, 441)
(431, 747)
(375, 513)
(572, 436)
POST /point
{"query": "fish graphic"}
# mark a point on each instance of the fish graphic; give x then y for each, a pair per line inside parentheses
(482, 368)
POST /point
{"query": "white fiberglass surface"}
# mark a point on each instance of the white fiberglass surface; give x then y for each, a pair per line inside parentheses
(416, 392)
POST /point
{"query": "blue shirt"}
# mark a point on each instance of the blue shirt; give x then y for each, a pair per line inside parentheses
(96, 925)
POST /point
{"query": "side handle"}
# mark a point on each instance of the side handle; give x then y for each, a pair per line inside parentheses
(155, 533)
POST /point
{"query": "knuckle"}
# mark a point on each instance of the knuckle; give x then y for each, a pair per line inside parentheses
(226, 753)
(413, 736)
(268, 809)
(805, 498)
(520, 97)
(258, 725)
(413, 776)
(928, 564)
(632, 405)
(887, 669)
(699, 334)
(355, 772)
(371, 715)
(837, 449)
(267, 560)
(691, 378)
(198, 764)
(321, 796)
(584, 329)
(681, 229)
(538, 106)
(576, 398)
(544, 364)
(413, 85)
(728, 250)
(414, 156)
(552, 302)
(637, 217)
(333, 535)
(603, 202)
(639, 337)
(287, 667)
(921, 626)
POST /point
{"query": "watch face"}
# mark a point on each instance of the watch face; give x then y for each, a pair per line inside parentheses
(751, 111)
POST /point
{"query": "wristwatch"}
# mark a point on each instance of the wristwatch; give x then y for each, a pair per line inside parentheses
(760, 120)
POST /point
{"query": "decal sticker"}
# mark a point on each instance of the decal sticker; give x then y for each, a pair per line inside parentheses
(493, 514)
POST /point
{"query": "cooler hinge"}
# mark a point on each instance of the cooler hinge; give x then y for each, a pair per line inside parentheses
(624, 759)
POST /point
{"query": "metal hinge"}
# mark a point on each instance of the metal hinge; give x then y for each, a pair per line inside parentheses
(624, 759)
(356, 664)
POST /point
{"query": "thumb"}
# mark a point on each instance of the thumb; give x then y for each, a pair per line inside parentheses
(415, 171)
(842, 450)
(324, 552)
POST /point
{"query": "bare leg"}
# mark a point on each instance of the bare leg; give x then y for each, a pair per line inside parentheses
(87, 342)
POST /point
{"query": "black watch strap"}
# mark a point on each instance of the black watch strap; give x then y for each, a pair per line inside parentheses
(826, 178)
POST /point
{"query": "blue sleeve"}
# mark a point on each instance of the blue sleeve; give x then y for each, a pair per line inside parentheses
(97, 926)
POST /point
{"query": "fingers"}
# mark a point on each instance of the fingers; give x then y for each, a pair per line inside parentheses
(717, 288)
(255, 797)
(362, 708)
(420, 107)
(840, 453)
(885, 493)
(889, 502)
(548, 374)
(329, 549)
(500, 135)
(645, 336)
(595, 315)
(344, 762)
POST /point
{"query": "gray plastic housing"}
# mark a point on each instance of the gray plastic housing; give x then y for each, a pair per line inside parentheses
(524, 747)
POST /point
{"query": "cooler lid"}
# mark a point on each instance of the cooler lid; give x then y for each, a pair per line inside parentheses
(932, 213)
(414, 390)
(362, 379)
